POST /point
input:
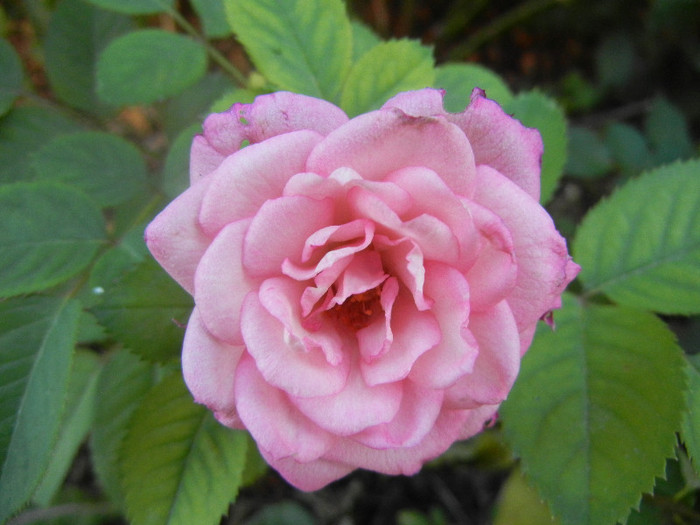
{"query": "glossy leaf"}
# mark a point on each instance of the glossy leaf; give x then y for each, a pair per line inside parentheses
(37, 336)
(135, 7)
(536, 110)
(12, 76)
(23, 131)
(106, 167)
(385, 70)
(458, 80)
(50, 233)
(303, 46)
(594, 411)
(122, 383)
(75, 424)
(77, 34)
(147, 311)
(148, 65)
(641, 246)
(196, 461)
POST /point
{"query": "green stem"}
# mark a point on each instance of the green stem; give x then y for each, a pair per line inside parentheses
(216, 56)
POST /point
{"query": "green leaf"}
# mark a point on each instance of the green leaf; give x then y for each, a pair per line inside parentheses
(303, 46)
(24, 130)
(384, 71)
(77, 34)
(196, 461)
(146, 310)
(667, 130)
(363, 39)
(76, 422)
(588, 156)
(615, 61)
(641, 246)
(37, 335)
(213, 15)
(594, 412)
(537, 110)
(135, 7)
(106, 167)
(145, 66)
(628, 148)
(49, 234)
(244, 96)
(122, 383)
(282, 513)
(520, 504)
(176, 172)
(12, 76)
(458, 80)
(691, 419)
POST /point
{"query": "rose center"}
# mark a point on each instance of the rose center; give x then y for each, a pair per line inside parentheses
(358, 310)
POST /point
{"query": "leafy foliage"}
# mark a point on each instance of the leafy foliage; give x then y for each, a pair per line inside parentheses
(11, 81)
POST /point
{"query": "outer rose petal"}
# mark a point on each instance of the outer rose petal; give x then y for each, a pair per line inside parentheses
(377, 143)
(209, 368)
(420, 103)
(175, 238)
(544, 265)
(257, 173)
(221, 284)
(309, 476)
(273, 422)
(500, 141)
(270, 115)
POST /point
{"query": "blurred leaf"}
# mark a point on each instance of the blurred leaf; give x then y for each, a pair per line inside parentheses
(628, 148)
(255, 465)
(37, 335)
(75, 424)
(691, 420)
(196, 461)
(49, 234)
(106, 167)
(213, 15)
(594, 411)
(192, 105)
(537, 110)
(12, 76)
(363, 39)
(588, 156)
(135, 7)
(228, 99)
(141, 310)
(77, 34)
(641, 246)
(458, 80)
(148, 65)
(578, 94)
(667, 129)
(520, 504)
(384, 71)
(282, 513)
(176, 172)
(24, 130)
(122, 383)
(615, 61)
(304, 46)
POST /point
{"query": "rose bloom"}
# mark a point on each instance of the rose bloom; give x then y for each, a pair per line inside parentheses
(364, 288)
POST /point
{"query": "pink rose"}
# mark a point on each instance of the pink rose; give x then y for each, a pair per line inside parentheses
(364, 288)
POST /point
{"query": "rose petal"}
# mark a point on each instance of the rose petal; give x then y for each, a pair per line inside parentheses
(501, 142)
(414, 333)
(355, 407)
(376, 338)
(175, 238)
(378, 143)
(497, 364)
(257, 173)
(221, 283)
(420, 103)
(209, 368)
(273, 422)
(203, 159)
(279, 231)
(544, 265)
(288, 356)
(309, 476)
(455, 354)
(420, 408)
(364, 273)
(405, 260)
